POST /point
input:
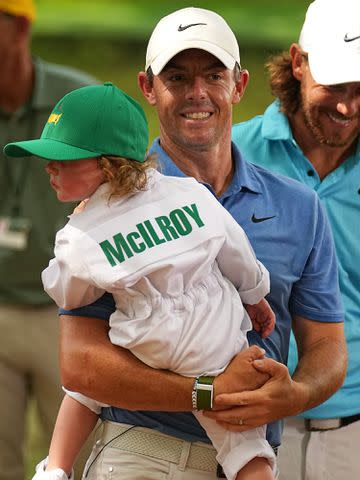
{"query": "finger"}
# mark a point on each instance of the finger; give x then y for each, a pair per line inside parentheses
(238, 417)
(267, 330)
(234, 416)
(256, 326)
(255, 352)
(237, 399)
(269, 366)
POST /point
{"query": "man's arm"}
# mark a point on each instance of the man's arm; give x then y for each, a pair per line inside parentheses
(320, 372)
(93, 366)
(322, 359)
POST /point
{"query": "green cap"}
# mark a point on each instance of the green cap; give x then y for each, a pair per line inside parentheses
(90, 122)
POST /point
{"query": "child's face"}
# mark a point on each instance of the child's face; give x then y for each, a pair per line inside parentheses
(75, 180)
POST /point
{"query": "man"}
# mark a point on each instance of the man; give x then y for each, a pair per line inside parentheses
(193, 78)
(311, 133)
(29, 217)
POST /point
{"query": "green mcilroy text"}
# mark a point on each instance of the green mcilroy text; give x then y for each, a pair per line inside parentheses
(149, 233)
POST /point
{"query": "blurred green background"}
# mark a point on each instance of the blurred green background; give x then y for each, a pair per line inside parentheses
(107, 38)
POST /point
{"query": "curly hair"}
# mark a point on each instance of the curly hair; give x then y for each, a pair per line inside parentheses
(126, 176)
(283, 84)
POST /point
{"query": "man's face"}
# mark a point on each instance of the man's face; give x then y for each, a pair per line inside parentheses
(331, 113)
(193, 96)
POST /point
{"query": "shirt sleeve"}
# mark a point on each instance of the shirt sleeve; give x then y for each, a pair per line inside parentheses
(91, 404)
(316, 295)
(237, 262)
(67, 279)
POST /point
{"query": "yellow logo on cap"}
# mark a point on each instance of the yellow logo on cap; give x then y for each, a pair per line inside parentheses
(54, 118)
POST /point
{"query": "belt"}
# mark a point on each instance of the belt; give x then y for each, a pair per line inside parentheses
(145, 441)
(319, 424)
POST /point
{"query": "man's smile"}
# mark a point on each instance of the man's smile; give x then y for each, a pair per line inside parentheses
(340, 120)
(197, 115)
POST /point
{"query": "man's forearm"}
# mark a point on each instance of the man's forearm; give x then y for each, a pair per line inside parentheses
(321, 371)
(91, 365)
(322, 363)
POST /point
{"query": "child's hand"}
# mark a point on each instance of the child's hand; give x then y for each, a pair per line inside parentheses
(56, 474)
(262, 317)
(81, 207)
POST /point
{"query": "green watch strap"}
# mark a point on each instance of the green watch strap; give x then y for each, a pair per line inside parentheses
(204, 391)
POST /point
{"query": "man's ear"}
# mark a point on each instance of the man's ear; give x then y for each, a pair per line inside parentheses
(146, 88)
(240, 86)
(297, 61)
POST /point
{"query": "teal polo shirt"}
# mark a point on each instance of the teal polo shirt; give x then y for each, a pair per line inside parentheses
(267, 140)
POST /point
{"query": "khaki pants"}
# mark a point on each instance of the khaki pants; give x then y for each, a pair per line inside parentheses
(28, 370)
(325, 455)
(125, 453)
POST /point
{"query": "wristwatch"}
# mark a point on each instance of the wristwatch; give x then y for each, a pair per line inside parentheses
(202, 394)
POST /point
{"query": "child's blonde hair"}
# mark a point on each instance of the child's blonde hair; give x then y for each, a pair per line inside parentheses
(126, 176)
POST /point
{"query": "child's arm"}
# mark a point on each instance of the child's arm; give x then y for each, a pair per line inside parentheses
(74, 424)
(236, 258)
(67, 279)
(262, 317)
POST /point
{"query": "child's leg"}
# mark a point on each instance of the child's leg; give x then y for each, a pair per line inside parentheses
(257, 469)
(237, 451)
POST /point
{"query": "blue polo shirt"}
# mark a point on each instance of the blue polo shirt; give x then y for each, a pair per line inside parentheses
(267, 140)
(290, 235)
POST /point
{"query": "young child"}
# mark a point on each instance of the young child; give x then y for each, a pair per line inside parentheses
(178, 265)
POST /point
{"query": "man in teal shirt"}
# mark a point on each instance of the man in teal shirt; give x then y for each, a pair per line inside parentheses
(311, 133)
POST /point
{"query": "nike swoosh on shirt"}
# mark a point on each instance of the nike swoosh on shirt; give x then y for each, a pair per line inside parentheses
(182, 28)
(260, 219)
(350, 39)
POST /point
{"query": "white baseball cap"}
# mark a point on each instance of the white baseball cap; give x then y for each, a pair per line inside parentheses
(191, 28)
(331, 38)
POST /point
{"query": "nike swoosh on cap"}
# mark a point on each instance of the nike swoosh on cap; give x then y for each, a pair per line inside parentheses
(260, 219)
(182, 28)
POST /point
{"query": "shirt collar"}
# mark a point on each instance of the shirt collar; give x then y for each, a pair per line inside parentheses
(245, 175)
(41, 97)
(275, 124)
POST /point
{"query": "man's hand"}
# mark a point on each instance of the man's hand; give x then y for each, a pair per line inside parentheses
(240, 375)
(279, 396)
(320, 371)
